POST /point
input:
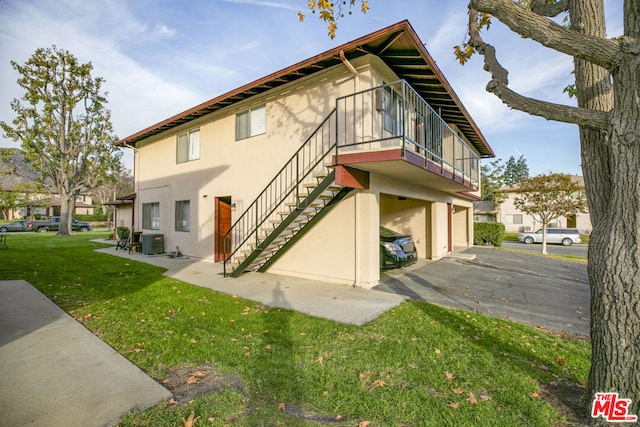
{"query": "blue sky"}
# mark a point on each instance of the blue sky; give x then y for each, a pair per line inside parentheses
(161, 57)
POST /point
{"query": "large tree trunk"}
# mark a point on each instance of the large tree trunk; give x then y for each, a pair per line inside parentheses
(67, 204)
(611, 168)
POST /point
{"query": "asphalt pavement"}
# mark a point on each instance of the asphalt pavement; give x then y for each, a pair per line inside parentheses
(534, 290)
(553, 249)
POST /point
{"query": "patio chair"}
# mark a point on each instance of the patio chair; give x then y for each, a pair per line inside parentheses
(124, 243)
(136, 241)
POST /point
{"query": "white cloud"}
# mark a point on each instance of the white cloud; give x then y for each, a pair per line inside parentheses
(165, 32)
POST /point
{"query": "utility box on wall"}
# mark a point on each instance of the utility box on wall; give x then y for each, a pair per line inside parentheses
(152, 244)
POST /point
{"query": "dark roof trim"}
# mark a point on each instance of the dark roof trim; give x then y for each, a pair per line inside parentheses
(397, 45)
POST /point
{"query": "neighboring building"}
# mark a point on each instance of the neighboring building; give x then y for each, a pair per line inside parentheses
(308, 162)
(16, 176)
(485, 211)
(124, 210)
(515, 220)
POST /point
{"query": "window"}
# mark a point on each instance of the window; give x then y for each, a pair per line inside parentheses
(80, 199)
(188, 146)
(251, 123)
(151, 216)
(514, 218)
(389, 103)
(183, 220)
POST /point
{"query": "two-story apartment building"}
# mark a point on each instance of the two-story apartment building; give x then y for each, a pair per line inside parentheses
(515, 220)
(295, 173)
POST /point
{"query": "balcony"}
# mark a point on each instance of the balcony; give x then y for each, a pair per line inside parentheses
(391, 130)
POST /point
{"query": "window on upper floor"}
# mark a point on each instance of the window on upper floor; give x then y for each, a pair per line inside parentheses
(188, 146)
(183, 219)
(80, 199)
(151, 216)
(251, 122)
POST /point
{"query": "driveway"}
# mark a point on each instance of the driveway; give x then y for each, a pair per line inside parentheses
(529, 289)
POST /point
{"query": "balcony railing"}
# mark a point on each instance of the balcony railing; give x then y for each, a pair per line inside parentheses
(395, 116)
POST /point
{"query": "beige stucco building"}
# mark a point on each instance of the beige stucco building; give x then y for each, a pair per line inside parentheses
(295, 173)
(515, 220)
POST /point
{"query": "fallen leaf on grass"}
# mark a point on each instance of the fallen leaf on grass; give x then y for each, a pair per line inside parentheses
(453, 405)
(189, 422)
(449, 375)
(364, 424)
(379, 383)
(472, 399)
(437, 351)
(172, 401)
(458, 391)
(363, 376)
(319, 360)
(281, 407)
(485, 398)
(560, 361)
(535, 395)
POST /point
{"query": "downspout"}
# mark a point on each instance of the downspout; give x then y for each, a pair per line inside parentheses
(351, 68)
(349, 65)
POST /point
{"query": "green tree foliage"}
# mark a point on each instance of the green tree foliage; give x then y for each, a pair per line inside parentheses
(547, 197)
(515, 171)
(64, 126)
(498, 174)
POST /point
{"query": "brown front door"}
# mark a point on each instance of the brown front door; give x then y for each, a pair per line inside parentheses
(223, 224)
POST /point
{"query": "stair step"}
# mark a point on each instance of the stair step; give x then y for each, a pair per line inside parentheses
(312, 205)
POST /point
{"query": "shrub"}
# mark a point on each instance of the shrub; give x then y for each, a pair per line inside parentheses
(123, 233)
(488, 233)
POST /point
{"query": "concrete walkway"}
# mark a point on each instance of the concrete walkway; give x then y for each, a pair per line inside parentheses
(54, 372)
(341, 303)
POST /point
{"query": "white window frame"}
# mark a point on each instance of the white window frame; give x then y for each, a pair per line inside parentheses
(183, 215)
(151, 216)
(251, 122)
(188, 146)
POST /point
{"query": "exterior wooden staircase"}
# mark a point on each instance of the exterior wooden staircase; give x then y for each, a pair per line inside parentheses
(294, 201)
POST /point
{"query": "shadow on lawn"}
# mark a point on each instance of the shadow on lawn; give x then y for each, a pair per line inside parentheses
(276, 375)
(70, 273)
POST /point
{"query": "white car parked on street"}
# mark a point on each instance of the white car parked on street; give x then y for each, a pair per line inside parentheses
(565, 236)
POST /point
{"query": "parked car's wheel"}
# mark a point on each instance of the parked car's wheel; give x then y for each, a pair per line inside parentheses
(528, 240)
(84, 229)
(567, 242)
(42, 230)
(3, 229)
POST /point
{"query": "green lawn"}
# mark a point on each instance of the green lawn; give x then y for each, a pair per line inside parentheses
(416, 365)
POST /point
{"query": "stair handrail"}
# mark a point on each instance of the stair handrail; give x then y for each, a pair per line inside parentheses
(290, 182)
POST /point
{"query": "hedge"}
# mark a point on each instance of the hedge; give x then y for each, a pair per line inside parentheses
(488, 233)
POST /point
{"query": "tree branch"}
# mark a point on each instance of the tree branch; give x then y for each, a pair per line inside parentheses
(542, 8)
(499, 86)
(599, 51)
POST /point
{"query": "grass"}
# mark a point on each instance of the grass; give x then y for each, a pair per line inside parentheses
(418, 364)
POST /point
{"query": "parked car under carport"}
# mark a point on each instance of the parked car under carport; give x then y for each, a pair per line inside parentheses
(396, 249)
